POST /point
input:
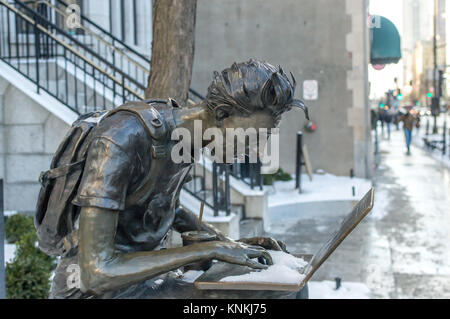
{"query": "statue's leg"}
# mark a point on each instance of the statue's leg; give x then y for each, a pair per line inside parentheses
(172, 287)
(304, 293)
(66, 281)
(168, 286)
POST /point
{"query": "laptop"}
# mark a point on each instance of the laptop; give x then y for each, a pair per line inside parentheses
(211, 279)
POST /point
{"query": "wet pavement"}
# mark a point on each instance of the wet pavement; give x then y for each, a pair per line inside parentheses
(402, 249)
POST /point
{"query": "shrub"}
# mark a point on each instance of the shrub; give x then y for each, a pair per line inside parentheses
(280, 175)
(16, 226)
(28, 275)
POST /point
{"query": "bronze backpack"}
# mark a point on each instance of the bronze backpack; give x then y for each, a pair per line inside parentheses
(56, 216)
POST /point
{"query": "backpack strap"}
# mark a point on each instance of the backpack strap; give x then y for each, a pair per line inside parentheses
(154, 123)
(60, 171)
(158, 128)
(151, 119)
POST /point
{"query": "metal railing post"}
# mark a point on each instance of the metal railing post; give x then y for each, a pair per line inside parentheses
(204, 177)
(2, 245)
(37, 48)
(123, 88)
(260, 177)
(227, 189)
(251, 174)
(215, 190)
(299, 162)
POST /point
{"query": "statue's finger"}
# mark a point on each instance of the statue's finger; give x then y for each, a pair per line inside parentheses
(255, 265)
(267, 257)
(273, 245)
(283, 246)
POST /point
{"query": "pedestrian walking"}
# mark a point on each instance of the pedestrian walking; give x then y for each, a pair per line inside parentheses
(409, 121)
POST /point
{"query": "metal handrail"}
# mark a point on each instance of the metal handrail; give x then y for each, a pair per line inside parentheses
(99, 38)
(90, 51)
(68, 47)
(70, 77)
(145, 71)
(83, 17)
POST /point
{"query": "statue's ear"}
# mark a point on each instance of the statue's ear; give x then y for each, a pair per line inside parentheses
(221, 114)
(268, 94)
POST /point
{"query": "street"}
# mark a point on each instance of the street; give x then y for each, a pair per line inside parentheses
(402, 249)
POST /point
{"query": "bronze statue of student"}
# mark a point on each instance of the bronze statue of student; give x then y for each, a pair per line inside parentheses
(126, 198)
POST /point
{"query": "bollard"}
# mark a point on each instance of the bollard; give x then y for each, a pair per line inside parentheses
(352, 175)
(444, 139)
(428, 127)
(338, 282)
(299, 162)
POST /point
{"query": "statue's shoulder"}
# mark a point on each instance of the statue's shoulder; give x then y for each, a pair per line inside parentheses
(154, 117)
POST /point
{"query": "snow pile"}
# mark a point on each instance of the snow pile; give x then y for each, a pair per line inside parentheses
(348, 290)
(10, 250)
(326, 187)
(286, 269)
(9, 213)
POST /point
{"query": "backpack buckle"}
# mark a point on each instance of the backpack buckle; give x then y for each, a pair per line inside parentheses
(159, 151)
(156, 122)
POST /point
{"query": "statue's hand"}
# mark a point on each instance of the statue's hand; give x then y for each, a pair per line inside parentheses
(242, 254)
(265, 242)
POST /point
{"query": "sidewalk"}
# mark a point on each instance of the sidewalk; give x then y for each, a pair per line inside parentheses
(401, 250)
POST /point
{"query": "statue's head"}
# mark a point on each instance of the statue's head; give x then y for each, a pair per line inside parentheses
(251, 94)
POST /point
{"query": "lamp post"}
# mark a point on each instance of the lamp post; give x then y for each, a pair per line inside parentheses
(436, 100)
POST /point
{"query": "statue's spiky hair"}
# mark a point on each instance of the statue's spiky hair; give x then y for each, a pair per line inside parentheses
(251, 86)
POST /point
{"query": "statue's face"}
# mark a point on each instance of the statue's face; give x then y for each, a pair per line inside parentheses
(259, 119)
(248, 124)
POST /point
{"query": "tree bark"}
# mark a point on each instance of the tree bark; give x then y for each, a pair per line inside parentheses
(172, 49)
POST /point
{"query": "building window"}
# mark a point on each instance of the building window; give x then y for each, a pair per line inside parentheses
(123, 20)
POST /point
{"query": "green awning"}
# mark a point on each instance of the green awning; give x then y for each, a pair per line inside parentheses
(385, 41)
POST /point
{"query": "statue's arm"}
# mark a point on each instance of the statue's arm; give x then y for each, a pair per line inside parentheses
(187, 221)
(102, 269)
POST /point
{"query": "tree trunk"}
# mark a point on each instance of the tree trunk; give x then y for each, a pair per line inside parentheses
(172, 49)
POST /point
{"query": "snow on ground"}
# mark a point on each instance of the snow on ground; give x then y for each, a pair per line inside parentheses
(286, 269)
(9, 213)
(348, 290)
(381, 205)
(10, 250)
(326, 187)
